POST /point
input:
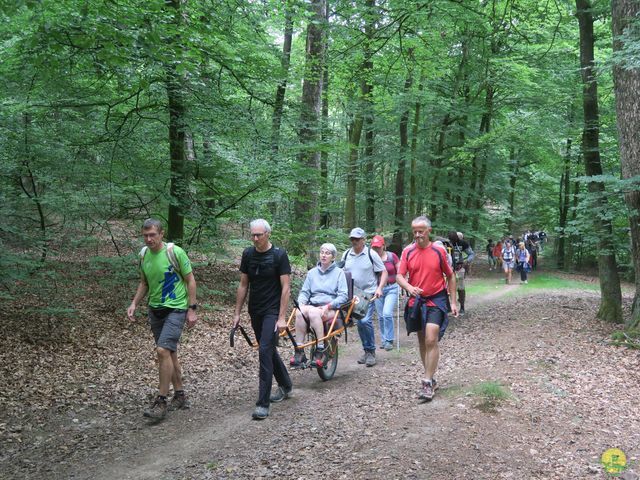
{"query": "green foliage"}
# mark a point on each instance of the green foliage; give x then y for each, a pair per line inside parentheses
(490, 394)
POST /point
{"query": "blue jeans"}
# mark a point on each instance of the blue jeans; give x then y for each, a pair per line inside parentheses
(365, 330)
(385, 308)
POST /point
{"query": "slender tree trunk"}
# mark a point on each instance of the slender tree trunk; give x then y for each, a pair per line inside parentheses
(400, 222)
(324, 154)
(370, 184)
(627, 89)
(413, 170)
(355, 131)
(513, 178)
(611, 296)
(564, 197)
(306, 204)
(281, 91)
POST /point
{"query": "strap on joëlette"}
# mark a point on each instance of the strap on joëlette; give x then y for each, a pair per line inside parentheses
(243, 332)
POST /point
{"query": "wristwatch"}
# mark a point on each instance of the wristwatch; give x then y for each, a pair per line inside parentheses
(194, 306)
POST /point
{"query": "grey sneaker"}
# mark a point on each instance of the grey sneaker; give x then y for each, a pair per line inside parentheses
(179, 402)
(363, 359)
(371, 359)
(426, 392)
(157, 410)
(388, 346)
(260, 413)
(280, 394)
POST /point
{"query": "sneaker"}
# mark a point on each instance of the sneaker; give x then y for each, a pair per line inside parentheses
(461, 311)
(363, 359)
(388, 346)
(426, 393)
(298, 359)
(318, 357)
(158, 409)
(179, 402)
(526, 281)
(280, 394)
(370, 361)
(260, 413)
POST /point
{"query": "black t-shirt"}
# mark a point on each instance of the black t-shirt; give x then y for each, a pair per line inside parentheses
(264, 270)
(456, 253)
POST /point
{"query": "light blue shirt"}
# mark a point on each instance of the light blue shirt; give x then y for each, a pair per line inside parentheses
(320, 287)
(363, 269)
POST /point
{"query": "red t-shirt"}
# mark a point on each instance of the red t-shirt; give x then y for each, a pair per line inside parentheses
(425, 269)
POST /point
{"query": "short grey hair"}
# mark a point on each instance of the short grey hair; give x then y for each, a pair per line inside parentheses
(152, 223)
(260, 222)
(331, 247)
(422, 219)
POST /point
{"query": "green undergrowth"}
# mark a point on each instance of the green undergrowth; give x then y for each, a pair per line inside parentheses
(490, 395)
(629, 339)
(537, 281)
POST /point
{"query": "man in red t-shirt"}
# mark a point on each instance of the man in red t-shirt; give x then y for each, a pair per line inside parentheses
(426, 265)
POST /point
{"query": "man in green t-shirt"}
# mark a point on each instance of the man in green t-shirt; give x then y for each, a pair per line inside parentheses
(165, 273)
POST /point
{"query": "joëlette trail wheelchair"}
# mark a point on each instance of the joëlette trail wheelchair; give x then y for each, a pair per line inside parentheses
(344, 317)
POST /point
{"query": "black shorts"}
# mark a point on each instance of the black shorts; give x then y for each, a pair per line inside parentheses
(435, 316)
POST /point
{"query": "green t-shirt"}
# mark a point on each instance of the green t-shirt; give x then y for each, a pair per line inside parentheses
(166, 287)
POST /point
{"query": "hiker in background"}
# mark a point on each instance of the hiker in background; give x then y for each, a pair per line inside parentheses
(427, 268)
(508, 259)
(387, 303)
(165, 273)
(532, 247)
(497, 254)
(369, 275)
(522, 259)
(264, 275)
(459, 250)
(323, 292)
(490, 258)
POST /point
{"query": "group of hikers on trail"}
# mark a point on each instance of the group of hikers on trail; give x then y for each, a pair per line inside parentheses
(521, 255)
(431, 272)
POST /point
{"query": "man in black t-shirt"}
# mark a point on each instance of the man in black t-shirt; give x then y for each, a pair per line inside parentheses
(459, 250)
(264, 275)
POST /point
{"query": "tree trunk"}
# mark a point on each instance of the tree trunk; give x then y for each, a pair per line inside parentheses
(413, 171)
(513, 178)
(324, 154)
(306, 204)
(611, 296)
(281, 91)
(564, 198)
(627, 88)
(399, 220)
(370, 184)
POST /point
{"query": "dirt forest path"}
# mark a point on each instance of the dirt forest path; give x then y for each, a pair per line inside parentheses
(572, 396)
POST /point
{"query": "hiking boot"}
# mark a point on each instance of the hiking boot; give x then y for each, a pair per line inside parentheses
(370, 360)
(298, 359)
(280, 394)
(363, 359)
(426, 393)
(179, 402)
(388, 346)
(158, 409)
(461, 311)
(260, 413)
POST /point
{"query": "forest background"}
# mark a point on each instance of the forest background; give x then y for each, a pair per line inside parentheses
(488, 116)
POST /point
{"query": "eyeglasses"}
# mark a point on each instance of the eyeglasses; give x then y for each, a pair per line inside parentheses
(356, 239)
(257, 235)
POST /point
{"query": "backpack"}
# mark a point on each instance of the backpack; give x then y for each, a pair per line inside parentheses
(434, 248)
(342, 262)
(171, 256)
(507, 253)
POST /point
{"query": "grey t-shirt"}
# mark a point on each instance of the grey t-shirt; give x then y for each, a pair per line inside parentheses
(362, 270)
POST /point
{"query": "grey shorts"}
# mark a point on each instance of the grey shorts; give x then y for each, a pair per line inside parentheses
(460, 274)
(167, 330)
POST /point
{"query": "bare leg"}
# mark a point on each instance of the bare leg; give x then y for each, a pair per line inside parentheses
(166, 369)
(429, 349)
(176, 378)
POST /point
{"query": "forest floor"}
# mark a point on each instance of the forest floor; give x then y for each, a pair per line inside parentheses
(530, 388)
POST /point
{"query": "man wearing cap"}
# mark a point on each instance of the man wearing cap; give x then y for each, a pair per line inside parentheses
(387, 303)
(370, 276)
